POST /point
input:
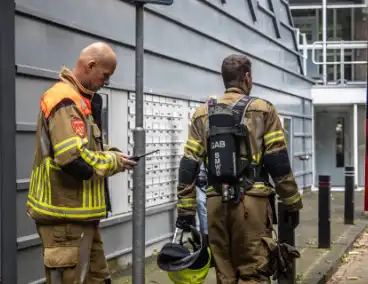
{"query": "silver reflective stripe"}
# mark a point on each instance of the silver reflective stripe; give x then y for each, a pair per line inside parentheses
(84, 255)
(55, 275)
(88, 127)
(40, 181)
(44, 143)
(70, 211)
(64, 145)
(94, 159)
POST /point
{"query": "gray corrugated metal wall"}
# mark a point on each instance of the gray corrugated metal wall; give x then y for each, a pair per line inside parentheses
(185, 45)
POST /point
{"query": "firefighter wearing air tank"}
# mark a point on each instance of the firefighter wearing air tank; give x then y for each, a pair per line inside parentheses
(68, 192)
(241, 140)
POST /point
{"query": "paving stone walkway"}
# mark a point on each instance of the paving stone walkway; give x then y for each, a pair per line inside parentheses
(313, 261)
(354, 267)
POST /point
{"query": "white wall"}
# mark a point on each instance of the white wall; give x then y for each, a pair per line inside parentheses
(328, 95)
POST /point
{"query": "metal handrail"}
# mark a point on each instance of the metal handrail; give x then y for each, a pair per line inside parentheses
(330, 45)
(342, 45)
(298, 34)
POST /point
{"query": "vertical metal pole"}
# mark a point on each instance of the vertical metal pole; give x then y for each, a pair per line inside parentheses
(139, 175)
(342, 64)
(313, 147)
(286, 234)
(355, 141)
(305, 54)
(324, 212)
(366, 152)
(324, 40)
(349, 196)
(8, 190)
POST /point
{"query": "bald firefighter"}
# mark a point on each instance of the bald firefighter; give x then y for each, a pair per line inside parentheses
(68, 193)
(242, 142)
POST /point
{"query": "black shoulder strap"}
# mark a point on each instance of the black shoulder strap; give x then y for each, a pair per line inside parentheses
(239, 109)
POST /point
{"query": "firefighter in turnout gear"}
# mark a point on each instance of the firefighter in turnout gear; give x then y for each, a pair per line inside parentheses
(239, 211)
(68, 192)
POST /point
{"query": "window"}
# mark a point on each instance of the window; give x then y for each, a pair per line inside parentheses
(287, 133)
(330, 24)
(305, 21)
(340, 145)
(286, 125)
(307, 29)
(330, 67)
(105, 119)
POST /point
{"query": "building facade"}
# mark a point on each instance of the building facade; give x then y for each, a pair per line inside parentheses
(183, 55)
(339, 97)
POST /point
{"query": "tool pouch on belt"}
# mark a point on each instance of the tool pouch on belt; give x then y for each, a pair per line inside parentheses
(56, 259)
(225, 135)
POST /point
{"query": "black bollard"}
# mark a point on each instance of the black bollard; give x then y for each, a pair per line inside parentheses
(324, 212)
(349, 196)
(286, 234)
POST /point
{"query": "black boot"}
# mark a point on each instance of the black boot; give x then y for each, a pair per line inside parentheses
(108, 281)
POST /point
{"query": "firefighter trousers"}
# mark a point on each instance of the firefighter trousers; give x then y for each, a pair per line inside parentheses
(240, 238)
(73, 254)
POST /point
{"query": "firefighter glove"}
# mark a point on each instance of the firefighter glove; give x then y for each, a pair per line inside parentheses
(293, 218)
(283, 258)
(184, 222)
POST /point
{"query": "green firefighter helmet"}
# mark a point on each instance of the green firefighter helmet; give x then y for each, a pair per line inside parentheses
(182, 265)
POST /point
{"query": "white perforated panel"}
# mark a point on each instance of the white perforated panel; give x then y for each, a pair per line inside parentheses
(165, 121)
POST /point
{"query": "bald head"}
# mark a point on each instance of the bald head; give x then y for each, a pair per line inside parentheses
(95, 65)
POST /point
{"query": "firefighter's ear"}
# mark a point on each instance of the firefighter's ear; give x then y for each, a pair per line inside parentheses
(248, 80)
(91, 64)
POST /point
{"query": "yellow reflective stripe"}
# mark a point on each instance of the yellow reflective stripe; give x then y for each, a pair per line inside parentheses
(257, 157)
(102, 190)
(35, 183)
(268, 135)
(48, 182)
(93, 190)
(210, 188)
(195, 143)
(186, 203)
(39, 183)
(73, 213)
(90, 193)
(261, 185)
(105, 161)
(40, 198)
(98, 160)
(274, 140)
(43, 182)
(99, 192)
(68, 144)
(93, 193)
(194, 146)
(273, 137)
(292, 199)
(84, 194)
(67, 209)
(191, 148)
(31, 184)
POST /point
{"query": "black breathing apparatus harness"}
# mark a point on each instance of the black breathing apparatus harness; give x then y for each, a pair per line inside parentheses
(228, 173)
